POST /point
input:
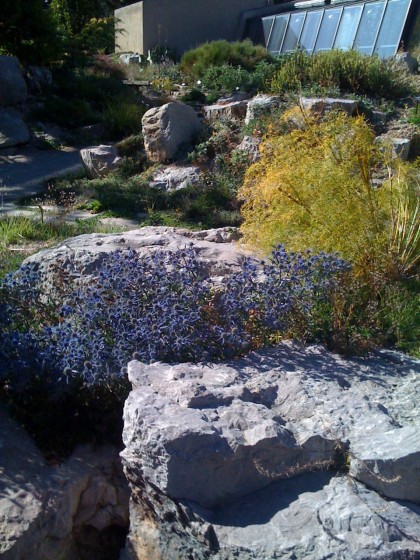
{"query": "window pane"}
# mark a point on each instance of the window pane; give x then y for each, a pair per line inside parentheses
(310, 30)
(391, 28)
(327, 29)
(267, 23)
(368, 28)
(293, 31)
(277, 34)
(348, 27)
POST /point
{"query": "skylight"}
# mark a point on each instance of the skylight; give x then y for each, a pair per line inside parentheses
(369, 27)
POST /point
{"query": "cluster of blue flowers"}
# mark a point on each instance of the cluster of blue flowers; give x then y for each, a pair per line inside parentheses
(160, 307)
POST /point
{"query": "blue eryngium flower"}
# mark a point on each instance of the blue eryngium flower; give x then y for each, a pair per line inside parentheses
(159, 307)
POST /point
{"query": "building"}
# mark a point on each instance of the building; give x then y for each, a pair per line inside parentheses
(179, 25)
(370, 26)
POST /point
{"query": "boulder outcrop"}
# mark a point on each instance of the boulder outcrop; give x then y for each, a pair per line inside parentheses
(13, 130)
(13, 90)
(320, 106)
(167, 129)
(233, 110)
(261, 105)
(76, 510)
(99, 161)
(214, 248)
(173, 177)
(223, 459)
(251, 146)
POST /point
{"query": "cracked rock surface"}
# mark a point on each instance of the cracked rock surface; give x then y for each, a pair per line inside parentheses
(229, 460)
(73, 511)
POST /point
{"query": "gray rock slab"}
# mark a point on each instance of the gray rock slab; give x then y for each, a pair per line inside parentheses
(215, 248)
(321, 106)
(99, 161)
(261, 105)
(43, 507)
(316, 516)
(251, 146)
(406, 61)
(389, 462)
(228, 461)
(222, 432)
(400, 146)
(173, 177)
(13, 90)
(233, 110)
(13, 130)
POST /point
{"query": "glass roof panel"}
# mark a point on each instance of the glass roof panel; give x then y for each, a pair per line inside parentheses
(310, 30)
(267, 24)
(368, 27)
(277, 34)
(391, 28)
(327, 30)
(293, 31)
(348, 27)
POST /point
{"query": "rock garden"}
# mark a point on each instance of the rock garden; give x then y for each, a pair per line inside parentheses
(233, 373)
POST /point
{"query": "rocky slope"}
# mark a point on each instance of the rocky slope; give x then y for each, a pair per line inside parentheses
(230, 460)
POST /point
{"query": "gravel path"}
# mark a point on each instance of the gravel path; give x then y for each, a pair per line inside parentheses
(25, 173)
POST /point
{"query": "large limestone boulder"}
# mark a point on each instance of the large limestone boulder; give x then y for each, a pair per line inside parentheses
(405, 61)
(13, 89)
(233, 110)
(174, 177)
(58, 512)
(251, 146)
(261, 105)
(403, 137)
(99, 161)
(13, 130)
(167, 128)
(78, 258)
(222, 458)
(39, 79)
(320, 106)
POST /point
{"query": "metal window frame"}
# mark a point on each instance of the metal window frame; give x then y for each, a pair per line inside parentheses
(323, 11)
(285, 30)
(271, 30)
(402, 26)
(336, 29)
(385, 5)
(300, 32)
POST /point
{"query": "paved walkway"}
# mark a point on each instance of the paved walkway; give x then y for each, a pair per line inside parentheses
(26, 172)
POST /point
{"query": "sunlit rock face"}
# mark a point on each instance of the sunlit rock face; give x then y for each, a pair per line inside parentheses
(250, 459)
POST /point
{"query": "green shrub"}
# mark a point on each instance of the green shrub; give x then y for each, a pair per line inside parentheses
(194, 97)
(126, 196)
(104, 66)
(130, 146)
(414, 117)
(227, 78)
(346, 71)
(95, 84)
(218, 53)
(70, 113)
(122, 116)
(360, 316)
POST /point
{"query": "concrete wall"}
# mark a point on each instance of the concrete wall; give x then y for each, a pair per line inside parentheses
(129, 28)
(180, 24)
